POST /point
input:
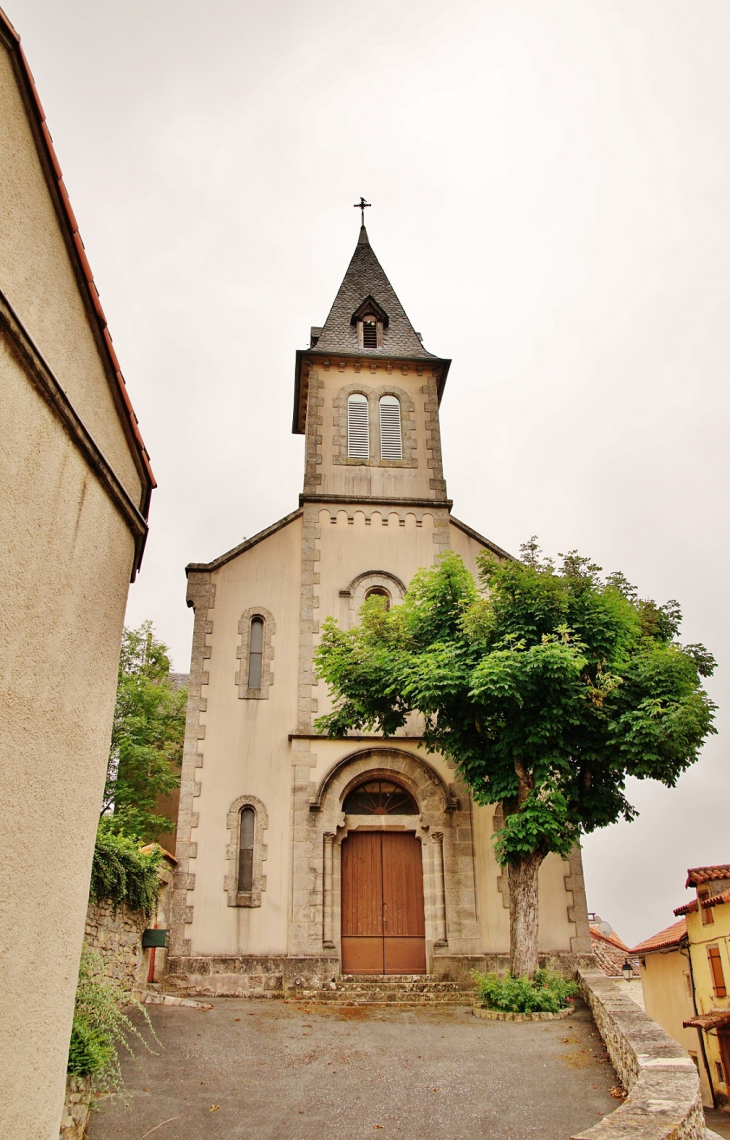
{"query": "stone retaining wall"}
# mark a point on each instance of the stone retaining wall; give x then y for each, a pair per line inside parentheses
(663, 1084)
(77, 1108)
(118, 938)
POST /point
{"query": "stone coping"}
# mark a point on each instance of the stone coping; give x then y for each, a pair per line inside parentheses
(662, 1081)
(505, 1015)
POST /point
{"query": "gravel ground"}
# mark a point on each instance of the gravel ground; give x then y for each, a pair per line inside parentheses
(276, 1071)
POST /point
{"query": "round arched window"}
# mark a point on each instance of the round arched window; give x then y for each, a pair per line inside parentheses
(380, 797)
(379, 592)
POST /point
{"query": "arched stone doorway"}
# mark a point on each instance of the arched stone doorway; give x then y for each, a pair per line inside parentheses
(383, 929)
(404, 827)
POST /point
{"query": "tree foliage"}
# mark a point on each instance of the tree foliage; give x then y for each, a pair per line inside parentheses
(547, 686)
(121, 873)
(147, 736)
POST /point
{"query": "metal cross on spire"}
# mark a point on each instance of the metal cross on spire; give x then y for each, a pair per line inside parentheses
(362, 206)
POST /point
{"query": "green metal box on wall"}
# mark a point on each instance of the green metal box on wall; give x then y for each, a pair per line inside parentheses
(154, 937)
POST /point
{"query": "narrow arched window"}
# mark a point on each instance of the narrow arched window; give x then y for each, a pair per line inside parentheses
(358, 436)
(391, 443)
(245, 850)
(255, 652)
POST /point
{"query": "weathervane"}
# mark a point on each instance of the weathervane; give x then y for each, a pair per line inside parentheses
(362, 206)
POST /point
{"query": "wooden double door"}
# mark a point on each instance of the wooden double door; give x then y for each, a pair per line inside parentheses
(383, 925)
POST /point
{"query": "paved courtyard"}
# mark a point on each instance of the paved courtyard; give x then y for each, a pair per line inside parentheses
(276, 1071)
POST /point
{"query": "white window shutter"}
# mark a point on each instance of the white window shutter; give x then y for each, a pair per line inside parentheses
(358, 435)
(391, 443)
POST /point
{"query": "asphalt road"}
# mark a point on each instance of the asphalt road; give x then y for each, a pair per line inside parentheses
(274, 1071)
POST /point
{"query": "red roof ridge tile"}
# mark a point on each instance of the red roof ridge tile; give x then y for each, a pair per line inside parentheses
(696, 875)
(713, 900)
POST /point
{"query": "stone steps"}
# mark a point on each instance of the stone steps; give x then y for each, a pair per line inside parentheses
(388, 989)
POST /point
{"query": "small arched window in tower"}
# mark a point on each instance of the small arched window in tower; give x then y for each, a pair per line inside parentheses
(379, 592)
(391, 443)
(379, 797)
(358, 435)
(369, 332)
(255, 652)
(245, 850)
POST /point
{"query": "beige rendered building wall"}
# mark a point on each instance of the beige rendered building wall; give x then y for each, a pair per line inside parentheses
(702, 936)
(70, 490)
(243, 743)
(38, 279)
(665, 980)
(246, 750)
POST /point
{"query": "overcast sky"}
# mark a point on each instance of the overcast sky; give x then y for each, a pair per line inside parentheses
(549, 181)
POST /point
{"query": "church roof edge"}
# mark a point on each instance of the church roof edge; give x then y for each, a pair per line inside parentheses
(466, 529)
(247, 543)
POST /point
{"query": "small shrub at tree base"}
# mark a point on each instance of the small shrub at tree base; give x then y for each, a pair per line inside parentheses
(101, 1026)
(547, 992)
(122, 873)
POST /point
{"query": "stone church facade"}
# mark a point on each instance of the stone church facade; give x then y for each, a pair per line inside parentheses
(302, 857)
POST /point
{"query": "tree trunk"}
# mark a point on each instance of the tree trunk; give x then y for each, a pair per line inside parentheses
(523, 917)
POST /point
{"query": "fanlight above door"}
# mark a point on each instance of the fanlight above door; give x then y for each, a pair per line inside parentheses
(379, 797)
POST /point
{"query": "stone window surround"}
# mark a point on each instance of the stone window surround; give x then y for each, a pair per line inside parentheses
(358, 589)
(267, 674)
(407, 421)
(260, 851)
(432, 827)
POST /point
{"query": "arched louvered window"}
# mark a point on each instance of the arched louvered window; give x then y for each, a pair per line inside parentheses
(391, 443)
(255, 652)
(358, 436)
(245, 850)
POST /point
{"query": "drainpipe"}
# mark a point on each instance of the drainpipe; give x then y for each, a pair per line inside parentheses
(700, 1031)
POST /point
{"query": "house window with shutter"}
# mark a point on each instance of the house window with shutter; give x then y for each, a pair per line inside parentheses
(358, 435)
(718, 977)
(391, 442)
(255, 652)
(245, 850)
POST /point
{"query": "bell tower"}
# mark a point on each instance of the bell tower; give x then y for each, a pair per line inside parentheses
(367, 397)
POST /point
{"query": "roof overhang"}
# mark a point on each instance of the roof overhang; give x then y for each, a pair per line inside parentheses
(311, 356)
(715, 1019)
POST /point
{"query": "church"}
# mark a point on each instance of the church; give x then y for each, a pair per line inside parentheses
(302, 859)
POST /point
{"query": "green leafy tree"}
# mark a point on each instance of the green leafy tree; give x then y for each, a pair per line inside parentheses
(147, 737)
(547, 687)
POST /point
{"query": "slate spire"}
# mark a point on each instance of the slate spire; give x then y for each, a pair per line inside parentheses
(365, 278)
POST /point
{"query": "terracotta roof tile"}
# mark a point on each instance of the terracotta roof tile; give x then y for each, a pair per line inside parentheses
(713, 900)
(709, 1020)
(68, 219)
(697, 875)
(611, 953)
(671, 936)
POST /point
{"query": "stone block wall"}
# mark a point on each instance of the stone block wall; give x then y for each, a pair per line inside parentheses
(77, 1108)
(118, 938)
(662, 1081)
